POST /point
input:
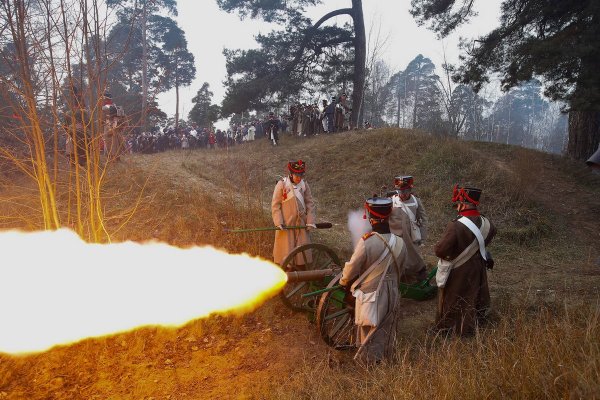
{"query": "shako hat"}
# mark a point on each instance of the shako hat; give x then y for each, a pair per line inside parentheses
(378, 207)
(404, 181)
(466, 194)
(297, 167)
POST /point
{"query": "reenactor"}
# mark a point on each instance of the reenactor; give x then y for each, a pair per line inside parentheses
(372, 275)
(464, 295)
(409, 221)
(112, 118)
(292, 205)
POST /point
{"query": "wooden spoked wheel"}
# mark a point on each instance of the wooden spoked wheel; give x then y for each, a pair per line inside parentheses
(308, 257)
(335, 318)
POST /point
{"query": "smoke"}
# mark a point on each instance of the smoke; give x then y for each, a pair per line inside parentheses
(357, 225)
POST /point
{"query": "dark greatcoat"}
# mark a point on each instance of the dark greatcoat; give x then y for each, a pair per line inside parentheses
(465, 299)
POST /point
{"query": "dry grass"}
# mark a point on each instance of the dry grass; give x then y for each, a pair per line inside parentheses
(547, 352)
(545, 285)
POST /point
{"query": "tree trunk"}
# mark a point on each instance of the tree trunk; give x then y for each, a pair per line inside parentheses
(144, 67)
(360, 58)
(584, 134)
(398, 103)
(176, 95)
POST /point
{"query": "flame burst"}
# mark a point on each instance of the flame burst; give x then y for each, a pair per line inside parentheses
(57, 289)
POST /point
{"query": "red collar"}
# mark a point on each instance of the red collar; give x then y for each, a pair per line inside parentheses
(469, 213)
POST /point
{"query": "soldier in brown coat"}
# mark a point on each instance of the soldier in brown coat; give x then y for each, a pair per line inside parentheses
(292, 205)
(464, 296)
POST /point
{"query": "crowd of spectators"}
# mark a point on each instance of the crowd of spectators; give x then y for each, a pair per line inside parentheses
(302, 119)
(193, 137)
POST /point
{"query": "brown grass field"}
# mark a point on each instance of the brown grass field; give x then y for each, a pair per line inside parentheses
(545, 343)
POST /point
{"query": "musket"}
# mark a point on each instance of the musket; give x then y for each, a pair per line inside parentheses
(320, 225)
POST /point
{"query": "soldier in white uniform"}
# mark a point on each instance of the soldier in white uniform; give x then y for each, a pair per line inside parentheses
(409, 221)
(372, 274)
(292, 205)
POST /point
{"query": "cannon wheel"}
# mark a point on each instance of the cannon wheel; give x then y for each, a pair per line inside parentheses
(335, 318)
(322, 257)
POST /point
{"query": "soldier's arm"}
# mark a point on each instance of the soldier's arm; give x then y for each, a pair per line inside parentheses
(491, 233)
(311, 214)
(446, 247)
(276, 201)
(352, 268)
(422, 219)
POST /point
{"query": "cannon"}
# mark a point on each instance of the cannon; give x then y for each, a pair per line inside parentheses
(315, 290)
(313, 272)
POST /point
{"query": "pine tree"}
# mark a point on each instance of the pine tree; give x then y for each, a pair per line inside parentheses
(286, 60)
(554, 40)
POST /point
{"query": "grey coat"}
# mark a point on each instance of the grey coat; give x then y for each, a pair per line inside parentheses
(376, 343)
(400, 225)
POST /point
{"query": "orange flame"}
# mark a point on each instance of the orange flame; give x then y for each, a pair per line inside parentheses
(57, 289)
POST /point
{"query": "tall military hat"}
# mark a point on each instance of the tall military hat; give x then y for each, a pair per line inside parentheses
(466, 194)
(297, 167)
(378, 207)
(404, 182)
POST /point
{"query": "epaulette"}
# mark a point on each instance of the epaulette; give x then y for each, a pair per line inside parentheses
(367, 235)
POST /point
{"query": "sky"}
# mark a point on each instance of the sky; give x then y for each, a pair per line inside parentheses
(209, 30)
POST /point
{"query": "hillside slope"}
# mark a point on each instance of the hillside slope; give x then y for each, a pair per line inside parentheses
(545, 285)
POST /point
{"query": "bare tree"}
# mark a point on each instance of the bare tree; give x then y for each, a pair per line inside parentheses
(54, 54)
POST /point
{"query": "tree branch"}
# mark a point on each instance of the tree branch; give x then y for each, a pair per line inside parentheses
(311, 31)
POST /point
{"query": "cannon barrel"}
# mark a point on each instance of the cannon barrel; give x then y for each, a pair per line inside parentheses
(305, 276)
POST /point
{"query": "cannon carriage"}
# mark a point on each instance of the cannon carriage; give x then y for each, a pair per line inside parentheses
(314, 271)
(313, 288)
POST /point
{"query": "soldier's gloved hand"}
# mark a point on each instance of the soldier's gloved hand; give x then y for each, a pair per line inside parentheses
(281, 227)
(310, 227)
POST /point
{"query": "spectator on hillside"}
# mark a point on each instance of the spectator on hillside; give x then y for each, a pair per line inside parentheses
(342, 113)
(330, 115)
(212, 139)
(271, 128)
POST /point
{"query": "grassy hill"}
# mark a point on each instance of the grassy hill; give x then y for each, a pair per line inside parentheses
(545, 286)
